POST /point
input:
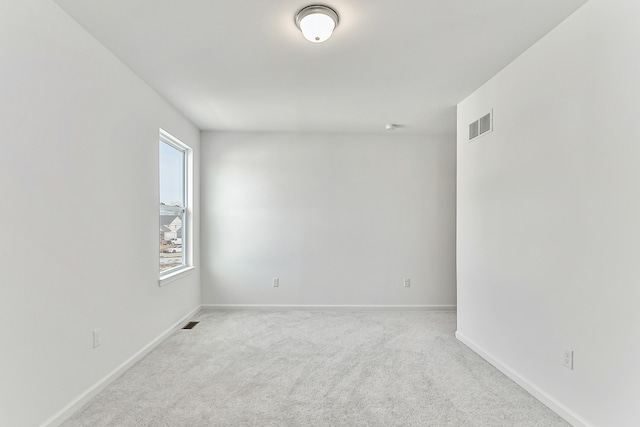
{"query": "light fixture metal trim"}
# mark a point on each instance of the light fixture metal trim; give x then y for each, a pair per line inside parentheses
(316, 9)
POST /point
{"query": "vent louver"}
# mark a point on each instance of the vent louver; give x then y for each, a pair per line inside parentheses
(473, 130)
(485, 124)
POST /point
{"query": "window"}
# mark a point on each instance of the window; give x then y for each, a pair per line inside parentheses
(174, 179)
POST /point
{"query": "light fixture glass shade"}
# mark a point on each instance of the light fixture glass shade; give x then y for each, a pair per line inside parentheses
(317, 27)
(317, 23)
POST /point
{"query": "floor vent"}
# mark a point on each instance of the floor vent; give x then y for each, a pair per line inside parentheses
(190, 325)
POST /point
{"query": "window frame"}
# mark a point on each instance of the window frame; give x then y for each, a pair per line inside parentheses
(185, 211)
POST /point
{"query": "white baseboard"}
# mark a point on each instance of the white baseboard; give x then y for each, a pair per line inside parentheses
(313, 307)
(557, 407)
(66, 412)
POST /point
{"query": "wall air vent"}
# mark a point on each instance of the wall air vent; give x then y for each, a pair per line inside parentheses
(481, 126)
(473, 130)
(485, 124)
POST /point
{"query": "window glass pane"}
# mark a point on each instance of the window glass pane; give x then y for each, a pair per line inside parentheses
(171, 227)
(173, 248)
(171, 175)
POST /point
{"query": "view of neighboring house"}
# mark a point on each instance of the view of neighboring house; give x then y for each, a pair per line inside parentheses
(170, 227)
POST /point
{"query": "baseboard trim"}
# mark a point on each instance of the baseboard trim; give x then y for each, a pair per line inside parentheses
(568, 415)
(66, 412)
(314, 307)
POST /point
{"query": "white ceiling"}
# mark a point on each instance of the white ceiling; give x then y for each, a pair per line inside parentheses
(243, 65)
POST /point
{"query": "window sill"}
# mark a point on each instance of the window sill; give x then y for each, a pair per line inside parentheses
(165, 280)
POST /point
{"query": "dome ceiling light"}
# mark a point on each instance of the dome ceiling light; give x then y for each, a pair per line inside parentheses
(316, 22)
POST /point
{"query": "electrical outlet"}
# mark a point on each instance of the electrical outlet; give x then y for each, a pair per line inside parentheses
(567, 358)
(276, 282)
(96, 338)
(407, 282)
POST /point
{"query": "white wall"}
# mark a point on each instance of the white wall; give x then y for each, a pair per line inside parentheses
(548, 217)
(78, 187)
(341, 219)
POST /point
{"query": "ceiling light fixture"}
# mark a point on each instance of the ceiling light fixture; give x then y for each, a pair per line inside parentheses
(316, 22)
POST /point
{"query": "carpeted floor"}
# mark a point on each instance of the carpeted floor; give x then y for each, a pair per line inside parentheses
(315, 368)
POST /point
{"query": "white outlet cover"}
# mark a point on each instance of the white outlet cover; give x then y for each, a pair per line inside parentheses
(567, 358)
(96, 338)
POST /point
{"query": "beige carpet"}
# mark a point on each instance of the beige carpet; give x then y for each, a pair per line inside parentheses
(322, 368)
